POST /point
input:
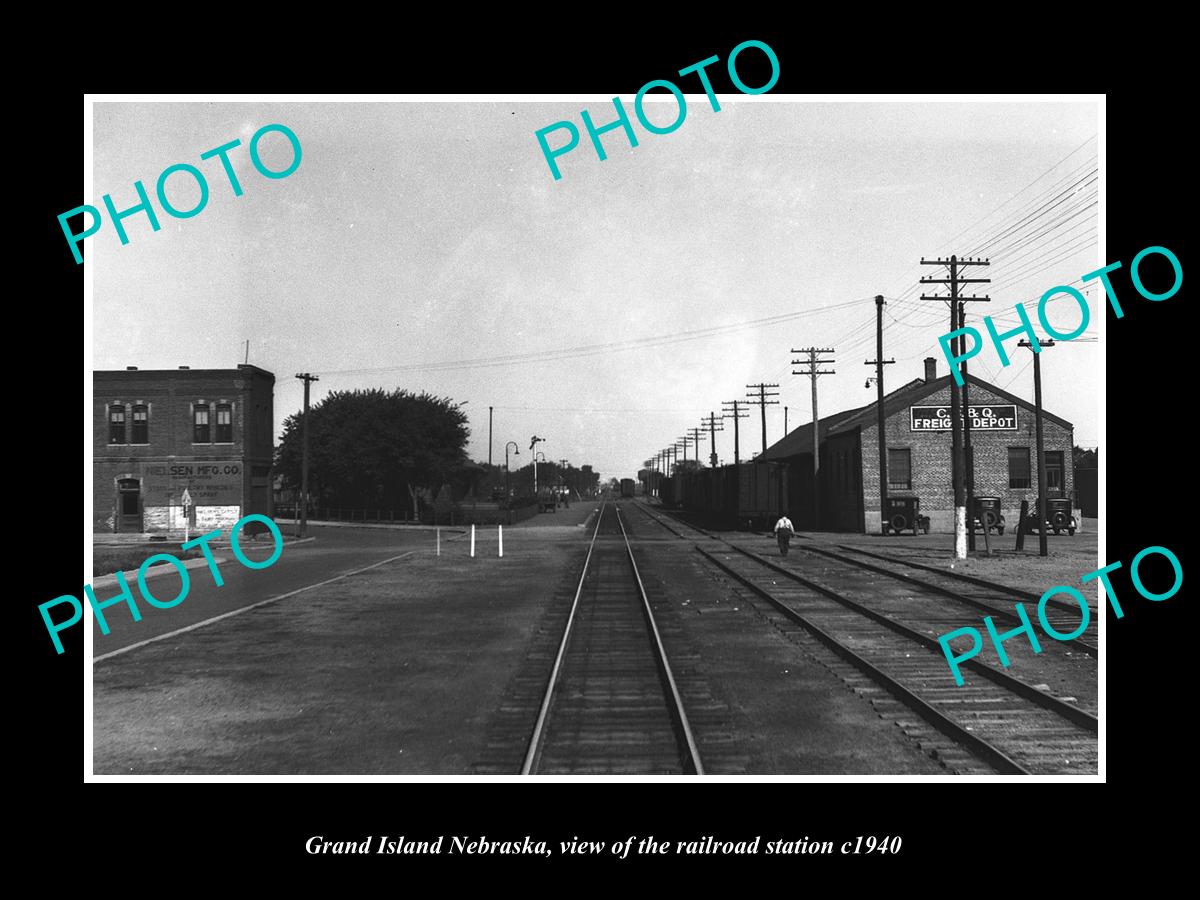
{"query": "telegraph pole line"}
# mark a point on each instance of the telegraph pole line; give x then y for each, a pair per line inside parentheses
(968, 450)
(711, 423)
(697, 437)
(763, 402)
(489, 435)
(685, 440)
(731, 411)
(879, 362)
(308, 379)
(1043, 550)
(814, 361)
(956, 300)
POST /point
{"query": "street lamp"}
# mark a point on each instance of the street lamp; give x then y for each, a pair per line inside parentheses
(517, 451)
(533, 443)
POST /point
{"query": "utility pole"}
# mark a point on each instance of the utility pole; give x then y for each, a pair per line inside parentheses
(785, 425)
(814, 360)
(879, 362)
(956, 411)
(763, 402)
(711, 422)
(685, 440)
(1043, 550)
(732, 411)
(696, 439)
(968, 450)
(489, 435)
(308, 379)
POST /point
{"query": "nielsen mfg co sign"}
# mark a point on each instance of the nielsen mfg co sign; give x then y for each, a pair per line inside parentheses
(997, 417)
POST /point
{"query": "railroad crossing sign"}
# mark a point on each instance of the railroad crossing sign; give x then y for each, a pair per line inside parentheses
(187, 520)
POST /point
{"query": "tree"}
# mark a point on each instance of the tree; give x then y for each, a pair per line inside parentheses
(374, 448)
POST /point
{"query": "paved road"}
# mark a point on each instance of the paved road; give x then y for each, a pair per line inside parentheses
(334, 552)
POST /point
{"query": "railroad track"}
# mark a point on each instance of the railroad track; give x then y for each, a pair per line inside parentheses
(990, 598)
(1012, 726)
(611, 704)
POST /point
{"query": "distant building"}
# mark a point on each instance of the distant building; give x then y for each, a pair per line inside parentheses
(159, 432)
(917, 424)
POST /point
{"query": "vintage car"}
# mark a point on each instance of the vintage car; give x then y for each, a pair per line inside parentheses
(903, 513)
(1058, 517)
(987, 515)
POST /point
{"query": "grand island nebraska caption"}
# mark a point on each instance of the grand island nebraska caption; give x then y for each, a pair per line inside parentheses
(465, 846)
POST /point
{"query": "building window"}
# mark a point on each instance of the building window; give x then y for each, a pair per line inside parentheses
(1018, 467)
(224, 423)
(116, 425)
(1054, 473)
(141, 425)
(201, 433)
(900, 469)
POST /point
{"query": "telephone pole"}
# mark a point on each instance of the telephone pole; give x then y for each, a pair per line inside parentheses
(814, 360)
(711, 422)
(684, 441)
(308, 379)
(732, 411)
(879, 362)
(955, 281)
(697, 437)
(1043, 550)
(762, 401)
(489, 435)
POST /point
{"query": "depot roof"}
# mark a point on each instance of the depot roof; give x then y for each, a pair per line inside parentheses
(800, 440)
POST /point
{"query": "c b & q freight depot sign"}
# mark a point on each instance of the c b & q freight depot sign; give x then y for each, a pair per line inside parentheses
(1001, 417)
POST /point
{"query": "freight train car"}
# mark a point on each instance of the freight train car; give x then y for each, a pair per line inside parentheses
(750, 495)
(627, 485)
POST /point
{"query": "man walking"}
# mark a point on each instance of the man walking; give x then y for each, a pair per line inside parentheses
(784, 532)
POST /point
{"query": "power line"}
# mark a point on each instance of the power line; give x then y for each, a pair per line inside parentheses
(592, 349)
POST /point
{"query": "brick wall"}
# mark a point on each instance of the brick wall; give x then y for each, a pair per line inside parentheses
(931, 461)
(226, 480)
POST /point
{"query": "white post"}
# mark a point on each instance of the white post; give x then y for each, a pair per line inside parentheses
(500, 531)
(472, 541)
(439, 542)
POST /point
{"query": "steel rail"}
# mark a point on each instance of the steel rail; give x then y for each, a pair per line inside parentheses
(1086, 646)
(1010, 682)
(958, 576)
(534, 751)
(981, 748)
(691, 762)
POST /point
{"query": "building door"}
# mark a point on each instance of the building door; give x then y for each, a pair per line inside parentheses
(1054, 474)
(129, 505)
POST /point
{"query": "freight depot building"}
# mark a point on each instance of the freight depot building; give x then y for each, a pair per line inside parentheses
(918, 437)
(157, 433)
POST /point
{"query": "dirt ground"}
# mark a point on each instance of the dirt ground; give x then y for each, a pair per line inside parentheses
(400, 669)
(392, 671)
(1069, 557)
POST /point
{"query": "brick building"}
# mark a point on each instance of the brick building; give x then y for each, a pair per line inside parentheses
(157, 433)
(918, 438)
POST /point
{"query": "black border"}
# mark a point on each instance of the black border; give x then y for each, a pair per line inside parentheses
(1147, 394)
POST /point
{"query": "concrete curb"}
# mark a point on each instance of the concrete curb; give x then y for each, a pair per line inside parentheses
(110, 580)
(291, 523)
(154, 572)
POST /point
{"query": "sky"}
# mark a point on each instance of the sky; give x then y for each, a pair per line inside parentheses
(427, 246)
